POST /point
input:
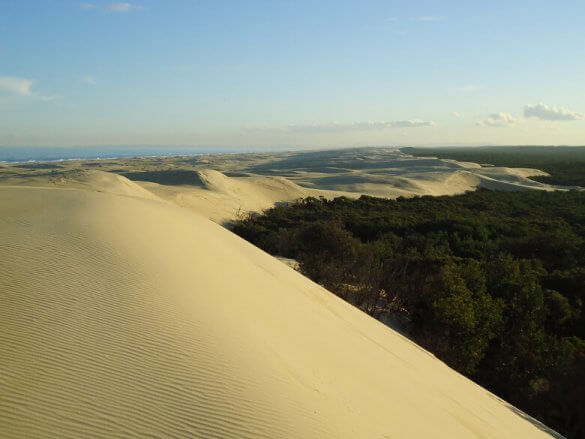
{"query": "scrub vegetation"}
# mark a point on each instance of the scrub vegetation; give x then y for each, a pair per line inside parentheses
(565, 164)
(493, 283)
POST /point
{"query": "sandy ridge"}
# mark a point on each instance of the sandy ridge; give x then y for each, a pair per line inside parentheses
(122, 315)
(222, 186)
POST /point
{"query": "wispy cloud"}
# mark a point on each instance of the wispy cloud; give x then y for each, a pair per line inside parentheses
(410, 123)
(17, 86)
(356, 126)
(88, 79)
(496, 120)
(123, 7)
(11, 86)
(113, 7)
(550, 112)
(428, 18)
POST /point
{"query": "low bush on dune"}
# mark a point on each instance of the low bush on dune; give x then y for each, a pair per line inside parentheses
(564, 164)
(493, 283)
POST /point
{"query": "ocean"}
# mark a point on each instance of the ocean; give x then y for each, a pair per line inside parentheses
(46, 154)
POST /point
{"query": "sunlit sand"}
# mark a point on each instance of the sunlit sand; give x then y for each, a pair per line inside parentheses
(125, 311)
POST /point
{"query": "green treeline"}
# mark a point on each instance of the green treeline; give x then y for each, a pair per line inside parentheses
(565, 164)
(493, 283)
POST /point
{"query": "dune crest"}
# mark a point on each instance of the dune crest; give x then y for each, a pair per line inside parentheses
(126, 316)
(222, 186)
(221, 197)
(91, 180)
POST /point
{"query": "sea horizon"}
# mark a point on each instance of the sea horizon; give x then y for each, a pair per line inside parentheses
(18, 154)
(11, 154)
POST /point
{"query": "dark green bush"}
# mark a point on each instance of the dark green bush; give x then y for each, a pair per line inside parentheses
(492, 282)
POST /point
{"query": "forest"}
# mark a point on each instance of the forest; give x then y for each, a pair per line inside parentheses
(492, 283)
(565, 164)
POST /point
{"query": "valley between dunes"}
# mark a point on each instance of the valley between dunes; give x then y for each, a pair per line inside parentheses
(126, 311)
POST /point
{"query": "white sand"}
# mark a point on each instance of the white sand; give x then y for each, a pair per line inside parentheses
(222, 198)
(222, 186)
(123, 315)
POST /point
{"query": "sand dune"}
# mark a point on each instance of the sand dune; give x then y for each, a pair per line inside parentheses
(253, 182)
(91, 180)
(221, 198)
(122, 315)
(221, 186)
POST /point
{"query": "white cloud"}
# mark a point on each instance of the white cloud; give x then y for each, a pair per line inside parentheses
(499, 120)
(122, 7)
(113, 7)
(456, 114)
(360, 126)
(411, 123)
(428, 18)
(17, 86)
(88, 79)
(12, 86)
(552, 112)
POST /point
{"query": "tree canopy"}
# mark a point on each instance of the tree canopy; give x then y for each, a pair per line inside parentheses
(493, 283)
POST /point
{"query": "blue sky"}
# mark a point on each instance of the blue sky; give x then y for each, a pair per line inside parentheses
(291, 72)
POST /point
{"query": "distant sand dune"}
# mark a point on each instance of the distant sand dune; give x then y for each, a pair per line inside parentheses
(252, 182)
(221, 198)
(221, 186)
(122, 315)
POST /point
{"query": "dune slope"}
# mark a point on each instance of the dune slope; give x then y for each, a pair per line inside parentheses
(124, 316)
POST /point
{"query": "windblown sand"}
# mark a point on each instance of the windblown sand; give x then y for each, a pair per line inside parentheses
(222, 186)
(124, 315)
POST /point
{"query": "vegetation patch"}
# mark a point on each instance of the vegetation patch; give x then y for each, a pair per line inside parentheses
(565, 164)
(493, 283)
